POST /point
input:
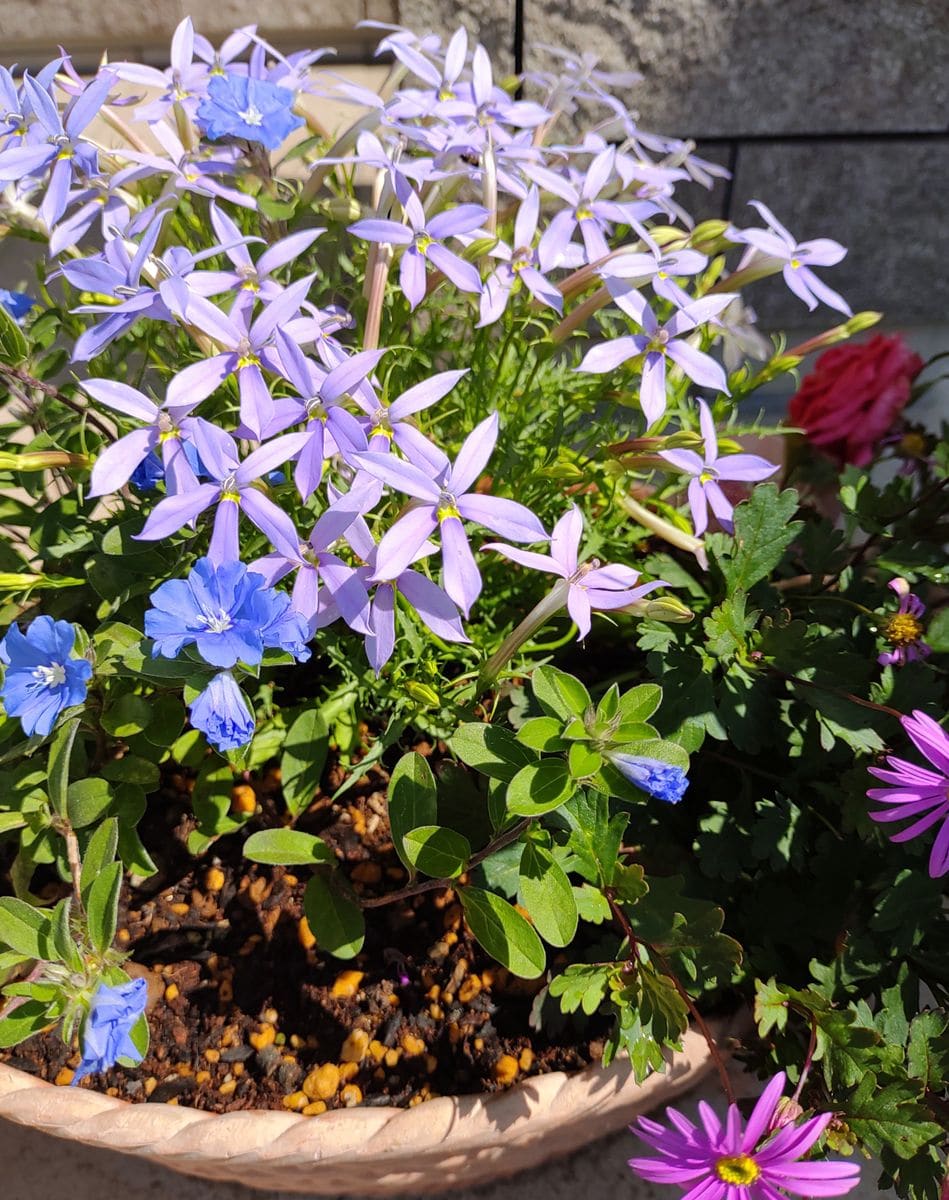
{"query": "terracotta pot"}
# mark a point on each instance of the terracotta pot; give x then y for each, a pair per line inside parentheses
(464, 1140)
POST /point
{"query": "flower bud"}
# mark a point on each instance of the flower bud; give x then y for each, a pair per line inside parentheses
(422, 693)
(659, 779)
(42, 460)
(660, 608)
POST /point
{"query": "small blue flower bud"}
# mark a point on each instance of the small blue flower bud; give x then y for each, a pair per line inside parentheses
(659, 779)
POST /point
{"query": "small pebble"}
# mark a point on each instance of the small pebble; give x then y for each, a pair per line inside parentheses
(412, 1045)
(351, 1095)
(265, 1037)
(526, 1059)
(322, 1083)
(289, 1074)
(243, 799)
(228, 1089)
(267, 1059)
(171, 993)
(505, 1070)
(355, 1047)
(237, 1053)
(305, 934)
(214, 879)
(64, 1077)
(295, 1101)
(347, 983)
(314, 1109)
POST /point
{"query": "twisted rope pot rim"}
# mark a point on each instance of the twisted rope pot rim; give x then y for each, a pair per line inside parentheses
(381, 1150)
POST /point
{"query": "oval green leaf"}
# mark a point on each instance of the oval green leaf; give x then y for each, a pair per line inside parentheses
(336, 921)
(287, 848)
(544, 890)
(540, 788)
(503, 932)
(412, 800)
(437, 851)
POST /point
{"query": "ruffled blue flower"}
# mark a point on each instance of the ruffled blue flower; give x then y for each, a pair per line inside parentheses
(42, 678)
(659, 779)
(227, 613)
(106, 1031)
(238, 106)
(222, 714)
(17, 304)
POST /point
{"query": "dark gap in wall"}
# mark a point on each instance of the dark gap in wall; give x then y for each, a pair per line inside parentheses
(733, 151)
(858, 135)
(518, 47)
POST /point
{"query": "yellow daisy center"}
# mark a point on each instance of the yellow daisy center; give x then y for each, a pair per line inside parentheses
(740, 1170)
(902, 629)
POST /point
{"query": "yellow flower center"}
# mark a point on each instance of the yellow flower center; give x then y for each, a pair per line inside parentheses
(913, 444)
(902, 629)
(740, 1170)
(447, 509)
(795, 263)
(248, 360)
(422, 242)
(584, 213)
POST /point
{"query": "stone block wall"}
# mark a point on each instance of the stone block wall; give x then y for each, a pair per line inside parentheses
(835, 112)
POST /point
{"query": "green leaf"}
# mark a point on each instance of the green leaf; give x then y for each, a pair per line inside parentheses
(60, 752)
(303, 760)
(102, 907)
(582, 762)
(129, 715)
(937, 632)
(591, 904)
(412, 800)
(927, 1055)
(545, 892)
(287, 848)
(728, 627)
(560, 694)
(99, 852)
(771, 1007)
(167, 718)
(62, 944)
(595, 836)
(139, 1036)
(583, 985)
(132, 769)
(490, 749)
(86, 801)
(542, 733)
(540, 788)
(14, 348)
(437, 851)
(763, 530)
(503, 932)
(637, 705)
(337, 922)
(29, 1018)
(889, 1117)
(23, 928)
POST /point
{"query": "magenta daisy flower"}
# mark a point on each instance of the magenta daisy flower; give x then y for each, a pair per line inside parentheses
(718, 1161)
(916, 792)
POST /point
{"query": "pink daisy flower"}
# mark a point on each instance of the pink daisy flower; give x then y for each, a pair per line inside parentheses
(718, 1161)
(916, 792)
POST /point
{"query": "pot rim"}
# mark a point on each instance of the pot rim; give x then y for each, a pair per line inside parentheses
(603, 1098)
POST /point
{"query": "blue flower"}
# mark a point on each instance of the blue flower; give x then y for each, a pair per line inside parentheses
(148, 474)
(227, 612)
(17, 304)
(105, 1036)
(237, 106)
(222, 713)
(41, 677)
(659, 779)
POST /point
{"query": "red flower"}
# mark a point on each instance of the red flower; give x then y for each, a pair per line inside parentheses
(853, 396)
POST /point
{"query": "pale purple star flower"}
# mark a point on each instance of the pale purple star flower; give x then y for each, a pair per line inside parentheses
(233, 491)
(325, 588)
(523, 265)
(165, 430)
(247, 346)
(915, 793)
(434, 606)
(183, 82)
(444, 503)
(710, 471)
(904, 629)
(489, 109)
(659, 343)
(442, 81)
(626, 270)
(331, 429)
(390, 423)
(591, 586)
(422, 239)
(594, 217)
(798, 258)
(249, 279)
(55, 141)
(188, 171)
(716, 1161)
